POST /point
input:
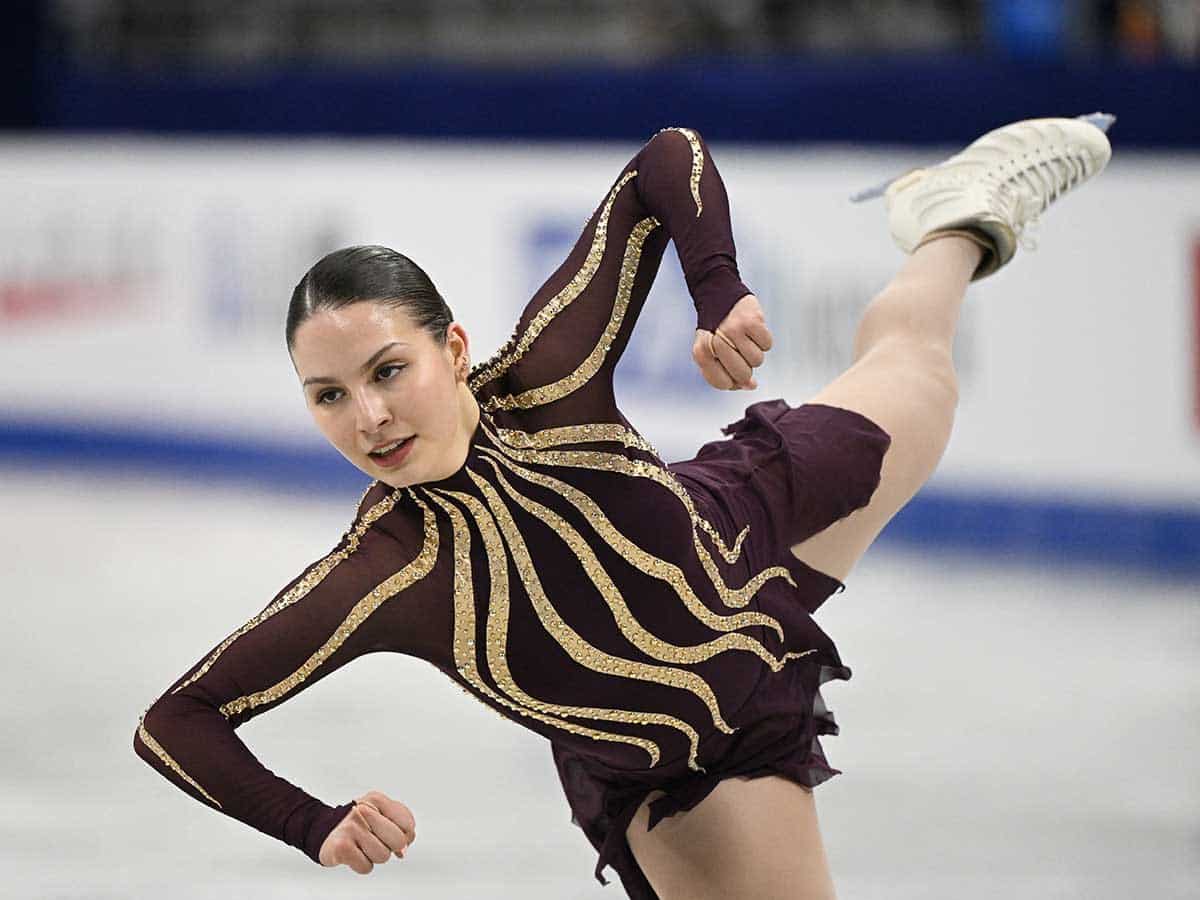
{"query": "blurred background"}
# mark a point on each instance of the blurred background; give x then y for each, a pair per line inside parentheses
(1023, 717)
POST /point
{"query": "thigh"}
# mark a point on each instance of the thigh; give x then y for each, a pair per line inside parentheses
(751, 837)
(910, 393)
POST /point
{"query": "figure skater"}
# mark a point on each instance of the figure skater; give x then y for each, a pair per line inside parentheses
(653, 621)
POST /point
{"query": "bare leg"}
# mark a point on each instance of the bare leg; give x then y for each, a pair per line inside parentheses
(903, 379)
(754, 837)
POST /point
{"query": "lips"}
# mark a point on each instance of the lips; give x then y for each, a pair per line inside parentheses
(394, 457)
(378, 449)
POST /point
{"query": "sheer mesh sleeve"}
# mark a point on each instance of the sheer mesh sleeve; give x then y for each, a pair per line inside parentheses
(557, 368)
(363, 597)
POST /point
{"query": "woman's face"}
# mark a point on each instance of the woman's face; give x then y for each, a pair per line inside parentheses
(372, 377)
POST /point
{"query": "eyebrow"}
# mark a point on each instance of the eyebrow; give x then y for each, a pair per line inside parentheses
(370, 362)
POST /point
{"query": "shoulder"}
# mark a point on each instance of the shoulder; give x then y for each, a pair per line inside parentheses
(391, 524)
(376, 491)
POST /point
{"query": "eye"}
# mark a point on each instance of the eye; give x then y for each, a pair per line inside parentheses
(323, 397)
(392, 367)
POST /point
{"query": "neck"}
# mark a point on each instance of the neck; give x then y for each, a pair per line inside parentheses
(468, 408)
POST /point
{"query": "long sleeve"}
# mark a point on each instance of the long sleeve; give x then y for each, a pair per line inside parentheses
(557, 368)
(679, 185)
(373, 587)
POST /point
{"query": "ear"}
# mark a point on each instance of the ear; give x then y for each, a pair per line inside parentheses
(459, 345)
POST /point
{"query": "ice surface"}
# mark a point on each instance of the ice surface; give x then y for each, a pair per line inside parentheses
(1007, 732)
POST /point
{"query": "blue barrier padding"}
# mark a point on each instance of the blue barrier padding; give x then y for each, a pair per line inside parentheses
(1164, 541)
(312, 469)
(1127, 536)
(919, 100)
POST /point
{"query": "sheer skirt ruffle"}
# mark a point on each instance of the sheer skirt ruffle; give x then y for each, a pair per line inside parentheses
(777, 734)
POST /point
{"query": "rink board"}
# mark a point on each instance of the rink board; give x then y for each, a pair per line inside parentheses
(143, 285)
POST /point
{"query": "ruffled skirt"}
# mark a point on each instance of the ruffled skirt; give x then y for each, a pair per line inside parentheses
(788, 473)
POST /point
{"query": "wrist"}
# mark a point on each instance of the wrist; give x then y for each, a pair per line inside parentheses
(715, 295)
(308, 826)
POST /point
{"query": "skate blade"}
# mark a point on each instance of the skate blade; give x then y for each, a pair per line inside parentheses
(1101, 120)
(872, 192)
(882, 188)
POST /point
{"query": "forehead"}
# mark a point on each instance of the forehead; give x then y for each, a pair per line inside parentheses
(345, 337)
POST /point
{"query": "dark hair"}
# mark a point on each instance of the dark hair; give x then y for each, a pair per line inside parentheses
(377, 274)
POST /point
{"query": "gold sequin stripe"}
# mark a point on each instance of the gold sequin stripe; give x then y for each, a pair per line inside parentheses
(516, 347)
(610, 431)
(464, 634)
(629, 626)
(697, 163)
(156, 747)
(612, 462)
(570, 640)
(409, 575)
(300, 589)
(575, 434)
(556, 390)
(497, 642)
(636, 557)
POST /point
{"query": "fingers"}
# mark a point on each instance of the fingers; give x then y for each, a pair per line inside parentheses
(745, 346)
(759, 334)
(369, 834)
(721, 376)
(704, 355)
(368, 843)
(730, 358)
(393, 836)
(353, 845)
(392, 810)
(357, 860)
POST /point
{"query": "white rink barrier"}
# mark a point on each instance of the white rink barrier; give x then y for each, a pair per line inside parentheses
(144, 283)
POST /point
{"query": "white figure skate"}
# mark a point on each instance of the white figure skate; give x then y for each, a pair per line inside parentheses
(997, 187)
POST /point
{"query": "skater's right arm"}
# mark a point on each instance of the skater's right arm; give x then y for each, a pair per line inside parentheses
(558, 366)
(372, 593)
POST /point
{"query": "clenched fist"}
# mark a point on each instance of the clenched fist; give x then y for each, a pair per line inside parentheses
(727, 358)
(377, 827)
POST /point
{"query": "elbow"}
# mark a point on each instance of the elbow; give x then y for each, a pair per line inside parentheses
(153, 726)
(676, 136)
(140, 735)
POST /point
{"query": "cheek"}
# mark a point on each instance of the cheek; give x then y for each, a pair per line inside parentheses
(437, 398)
(331, 426)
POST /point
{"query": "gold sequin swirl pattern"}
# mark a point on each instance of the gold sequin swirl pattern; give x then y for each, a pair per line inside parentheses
(640, 559)
(516, 347)
(615, 433)
(311, 579)
(697, 163)
(603, 432)
(497, 637)
(568, 384)
(410, 574)
(570, 640)
(612, 462)
(157, 749)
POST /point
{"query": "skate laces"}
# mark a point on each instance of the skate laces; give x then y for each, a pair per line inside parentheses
(1024, 195)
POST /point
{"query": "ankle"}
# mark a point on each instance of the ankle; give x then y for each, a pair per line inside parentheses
(971, 248)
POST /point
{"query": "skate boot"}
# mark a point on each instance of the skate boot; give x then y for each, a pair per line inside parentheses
(997, 187)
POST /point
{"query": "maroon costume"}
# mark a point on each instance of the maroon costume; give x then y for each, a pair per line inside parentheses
(647, 619)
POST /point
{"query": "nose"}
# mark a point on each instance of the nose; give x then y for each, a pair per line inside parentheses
(372, 412)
